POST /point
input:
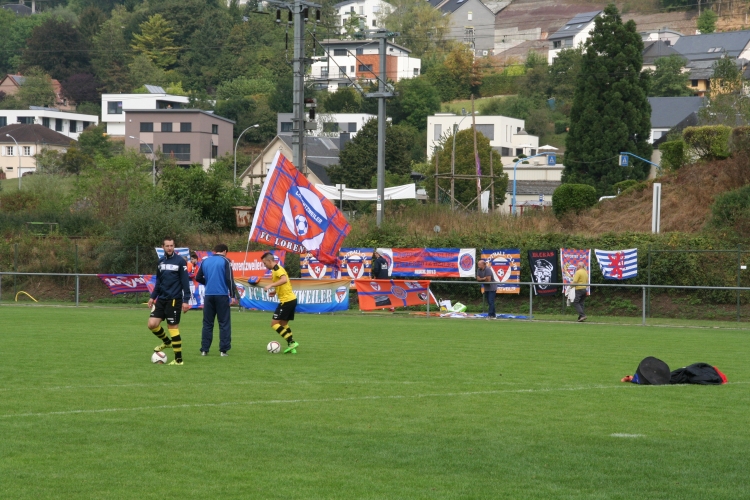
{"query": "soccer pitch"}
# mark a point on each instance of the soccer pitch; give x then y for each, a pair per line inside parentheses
(376, 407)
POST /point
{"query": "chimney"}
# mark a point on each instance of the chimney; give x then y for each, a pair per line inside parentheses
(344, 137)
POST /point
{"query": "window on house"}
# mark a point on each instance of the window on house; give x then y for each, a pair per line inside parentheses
(324, 72)
(437, 131)
(469, 35)
(215, 129)
(73, 126)
(27, 150)
(339, 52)
(214, 151)
(330, 127)
(286, 126)
(86, 125)
(416, 71)
(342, 72)
(166, 127)
(342, 85)
(8, 150)
(519, 151)
(360, 51)
(114, 107)
(487, 130)
(26, 119)
(186, 127)
(374, 22)
(693, 83)
(361, 10)
(556, 44)
(3, 121)
(147, 126)
(352, 127)
(504, 151)
(147, 149)
(470, 16)
(518, 129)
(45, 122)
(58, 125)
(365, 67)
(179, 152)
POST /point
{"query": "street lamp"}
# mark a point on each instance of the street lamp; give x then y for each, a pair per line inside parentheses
(153, 158)
(235, 148)
(18, 148)
(453, 160)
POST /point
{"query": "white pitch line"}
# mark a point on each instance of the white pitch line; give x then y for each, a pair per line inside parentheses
(620, 435)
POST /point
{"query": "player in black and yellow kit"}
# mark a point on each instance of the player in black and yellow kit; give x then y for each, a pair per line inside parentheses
(287, 302)
(171, 296)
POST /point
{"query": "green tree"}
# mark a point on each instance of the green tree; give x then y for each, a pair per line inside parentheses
(94, 142)
(456, 77)
(563, 74)
(727, 104)
(36, 89)
(416, 99)
(466, 189)
(142, 71)
(425, 25)
(245, 87)
(344, 100)
(15, 30)
(668, 79)
(57, 48)
(156, 41)
(358, 161)
(536, 79)
(90, 21)
(110, 60)
(706, 22)
(610, 112)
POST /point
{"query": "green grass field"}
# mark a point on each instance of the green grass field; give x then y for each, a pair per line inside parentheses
(374, 407)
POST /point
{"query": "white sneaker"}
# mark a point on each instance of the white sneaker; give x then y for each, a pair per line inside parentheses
(204, 353)
(224, 354)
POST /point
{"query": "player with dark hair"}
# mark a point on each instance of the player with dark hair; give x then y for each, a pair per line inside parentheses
(216, 275)
(171, 296)
(287, 301)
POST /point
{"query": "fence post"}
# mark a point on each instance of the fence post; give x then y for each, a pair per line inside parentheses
(15, 268)
(644, 306)
(649, 281)
(429, 296)
(531, 301)
(137, 250)
(739, 264)
(1, 287)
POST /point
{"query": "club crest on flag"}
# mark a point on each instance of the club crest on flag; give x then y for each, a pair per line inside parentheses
(341, 293)
(413, 285)
(375, 286)
(355, 265)
(398, 292)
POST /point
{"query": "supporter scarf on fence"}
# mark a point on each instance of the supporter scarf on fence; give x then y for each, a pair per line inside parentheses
(569, 259)
(382, 294)
(543, 265)
(432, 262)
(125, 283)
(618, 264)
(294, 216)
(505, 264)
(313, 296)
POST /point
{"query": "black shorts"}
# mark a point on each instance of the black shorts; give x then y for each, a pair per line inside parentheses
(169, 309)
(285, 310)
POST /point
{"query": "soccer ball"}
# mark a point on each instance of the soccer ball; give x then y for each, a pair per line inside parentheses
(300, 223)
(159, 358)
(273, 347)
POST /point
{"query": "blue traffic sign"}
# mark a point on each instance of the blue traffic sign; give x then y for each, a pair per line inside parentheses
(551, 160)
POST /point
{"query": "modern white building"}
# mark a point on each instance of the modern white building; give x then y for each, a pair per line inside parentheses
(329, 124)
(507, 135)
(574, 33)
(370, 12)
(63, 122)
(115, 105)
(358, 61)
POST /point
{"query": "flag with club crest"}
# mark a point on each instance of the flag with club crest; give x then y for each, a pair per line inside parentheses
(293, 216)
(618, 264)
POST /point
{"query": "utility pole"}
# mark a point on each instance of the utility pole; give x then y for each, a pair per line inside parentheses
(476, 157)
(382, 94)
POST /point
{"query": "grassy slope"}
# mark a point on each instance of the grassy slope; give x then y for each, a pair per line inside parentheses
(371, 407)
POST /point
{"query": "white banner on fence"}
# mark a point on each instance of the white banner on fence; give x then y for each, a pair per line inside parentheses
(405, 192)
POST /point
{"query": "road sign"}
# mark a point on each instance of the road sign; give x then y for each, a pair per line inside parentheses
(551, 160)
(541, 198)
(623, 161)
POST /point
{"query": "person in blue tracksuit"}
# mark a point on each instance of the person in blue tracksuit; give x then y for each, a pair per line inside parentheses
(216, 275)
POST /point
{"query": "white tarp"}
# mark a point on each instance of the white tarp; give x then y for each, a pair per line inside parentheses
(405, 192)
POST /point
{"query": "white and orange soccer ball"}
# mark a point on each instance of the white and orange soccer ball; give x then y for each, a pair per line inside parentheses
(273, 347)
(159, 358)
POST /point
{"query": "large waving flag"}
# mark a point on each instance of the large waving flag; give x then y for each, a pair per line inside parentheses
(292, 215)
(618, 264)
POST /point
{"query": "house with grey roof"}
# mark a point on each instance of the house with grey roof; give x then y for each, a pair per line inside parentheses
(654, 50)
(702, 51)
(669, 112)
(472, 22)
(573, 34)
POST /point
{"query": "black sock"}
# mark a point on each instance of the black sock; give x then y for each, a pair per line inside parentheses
(162, 335)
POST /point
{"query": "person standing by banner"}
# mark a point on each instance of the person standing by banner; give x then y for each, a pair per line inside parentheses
(379, 270)
(216, 275)
(171, 296)
(484, 274)
(581, 276)
(287, 302)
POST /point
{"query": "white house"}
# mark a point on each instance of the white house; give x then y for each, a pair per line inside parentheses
(370, 12)
(357, 61)
(114, 106)
(506, 135)
(574, 33)
(63, 122)
(329, 124)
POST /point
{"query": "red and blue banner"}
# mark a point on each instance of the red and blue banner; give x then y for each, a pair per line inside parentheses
(354, 263)
(386, 294)
(432, 262)
(292, 215)
(313, 296)
(618, 264)
(312, 268)
(505, 264)
(569, 260)
(125, 283)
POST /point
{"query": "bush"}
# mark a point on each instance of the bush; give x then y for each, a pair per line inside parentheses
(740, 139)
(673, 155)
(561, 126)
(573, 198)
(731, 212)
(708, 143)
(621, 186)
